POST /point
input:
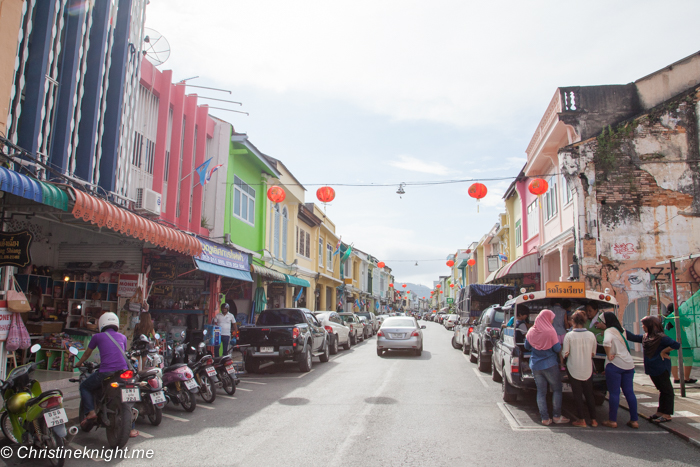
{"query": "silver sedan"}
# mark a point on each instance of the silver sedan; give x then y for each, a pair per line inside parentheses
(400, 333)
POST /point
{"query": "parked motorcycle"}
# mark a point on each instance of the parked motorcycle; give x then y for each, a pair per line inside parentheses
(151, 386)
(32, 417)
(114, 404)
(179, 382)
(226, 371)
(205, 373)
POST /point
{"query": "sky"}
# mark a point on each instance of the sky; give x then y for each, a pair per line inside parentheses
(382, 92)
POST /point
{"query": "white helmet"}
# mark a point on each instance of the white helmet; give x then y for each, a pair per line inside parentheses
(108, 319)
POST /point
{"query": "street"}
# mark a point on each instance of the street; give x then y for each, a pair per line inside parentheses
(399, 410)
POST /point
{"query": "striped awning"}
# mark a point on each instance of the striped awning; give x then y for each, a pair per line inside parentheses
(29, 188)
(267, 272)
(523, 265)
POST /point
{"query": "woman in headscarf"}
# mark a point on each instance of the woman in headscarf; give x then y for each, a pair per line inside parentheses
(619, 370)
(657, 363)
(542, 341)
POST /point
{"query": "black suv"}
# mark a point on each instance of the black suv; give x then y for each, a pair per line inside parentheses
(486, 331)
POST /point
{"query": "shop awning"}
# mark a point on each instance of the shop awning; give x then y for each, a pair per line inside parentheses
(53, 196)
(493, 275)
(29, 188)
(296, 281)
(267, 272)
(223, 271)
(330, 278)
(104, 214)
(524, 265)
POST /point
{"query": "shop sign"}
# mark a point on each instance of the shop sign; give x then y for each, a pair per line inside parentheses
(5, 320)
(163, 269)
(14, 248)
(128, 283)
(276, 289)
(450, 300)
(223, 256)
(566, 289)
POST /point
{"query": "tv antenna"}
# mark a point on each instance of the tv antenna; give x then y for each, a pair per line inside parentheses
(155, 47)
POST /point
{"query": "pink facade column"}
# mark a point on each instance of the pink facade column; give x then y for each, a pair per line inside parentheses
(187, 174)
(163, 89)
(195, 224)
(178, 100)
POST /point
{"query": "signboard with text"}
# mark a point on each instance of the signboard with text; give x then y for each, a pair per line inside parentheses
(225, 256)
(566, 289)
(5, 320)
(14, 248)
(127, 285)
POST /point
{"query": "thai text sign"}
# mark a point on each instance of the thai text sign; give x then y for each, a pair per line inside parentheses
(14, 248)
(566, 289)
(223, 256)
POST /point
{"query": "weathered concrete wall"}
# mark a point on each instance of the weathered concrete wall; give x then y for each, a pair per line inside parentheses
(670, 81)
(640, 198)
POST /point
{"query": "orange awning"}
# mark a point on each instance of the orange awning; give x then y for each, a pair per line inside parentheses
(104, 214)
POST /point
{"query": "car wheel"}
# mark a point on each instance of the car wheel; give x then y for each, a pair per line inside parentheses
(495, 375)
(483, 366)
(465, 348)
(346, 346)
(472, 357)
(305, 362)
(325, 356)
(454, 343)
(353, 340)
(334, 345)
(419, 352)
(508, 392)
(380, 352)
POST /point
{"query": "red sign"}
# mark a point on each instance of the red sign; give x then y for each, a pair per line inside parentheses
(5, 319)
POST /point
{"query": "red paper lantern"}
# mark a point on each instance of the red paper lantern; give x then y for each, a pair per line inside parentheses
(391, 285)
(423, 298)
(408, 291)
(381, 264)
(325, 194)
(276, 194)
(468, 251)
(438, 286)
(452, 286)
(477, 190)
(450, 263)
(538, 186)
(441, 291)
(471, 262)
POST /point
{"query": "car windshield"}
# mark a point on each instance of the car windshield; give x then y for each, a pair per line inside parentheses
(498, 317)
(346, 318)
(399, 322)
(280, 317)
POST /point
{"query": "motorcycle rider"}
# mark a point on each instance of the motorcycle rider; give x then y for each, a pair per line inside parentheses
(225, 320)
(112, 346)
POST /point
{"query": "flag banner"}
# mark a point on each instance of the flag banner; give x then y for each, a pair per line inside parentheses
(337, 246)
(211, 172)
(202, 172)
(502, 257)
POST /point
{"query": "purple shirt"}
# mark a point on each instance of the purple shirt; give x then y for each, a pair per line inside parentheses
(111, 359)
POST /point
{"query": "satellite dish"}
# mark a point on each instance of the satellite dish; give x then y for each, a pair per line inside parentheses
(155, 47)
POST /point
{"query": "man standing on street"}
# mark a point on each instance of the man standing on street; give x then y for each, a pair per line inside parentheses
(225, 321)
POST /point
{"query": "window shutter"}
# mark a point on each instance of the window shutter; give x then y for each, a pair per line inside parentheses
(284, 233)
(308, 245)
(277, 234)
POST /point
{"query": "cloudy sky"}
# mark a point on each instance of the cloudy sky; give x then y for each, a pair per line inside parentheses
(389, 91)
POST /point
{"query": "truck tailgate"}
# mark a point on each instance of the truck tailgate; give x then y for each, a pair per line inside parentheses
(267, 336)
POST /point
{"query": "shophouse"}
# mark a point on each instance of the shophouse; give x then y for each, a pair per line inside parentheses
(328, 263)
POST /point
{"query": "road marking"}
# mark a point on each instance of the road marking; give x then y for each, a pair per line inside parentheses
(252, 382)
(173, 417)
(513, 422)
(227, 397)
(208, 407)
(481, 378)
(145, 435)
(304, 374)
(244, 389)
(684, 413)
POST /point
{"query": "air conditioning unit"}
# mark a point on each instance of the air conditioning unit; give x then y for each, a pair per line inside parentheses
(148, 201)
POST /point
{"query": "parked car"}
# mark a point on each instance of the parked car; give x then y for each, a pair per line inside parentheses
(449, 321)
(367, 327)
(400, 333)
(284, 334)
(372, 318)
(510, 363)
(461, 332)
(381, 319)
(486, 331)
(338, 332)
(352, 321)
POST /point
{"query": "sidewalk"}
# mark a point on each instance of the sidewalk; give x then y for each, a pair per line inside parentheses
(686, 419)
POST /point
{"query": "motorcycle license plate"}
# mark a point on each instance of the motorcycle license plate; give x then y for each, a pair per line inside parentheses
(190, 384)
(230, 369)
(55, 417)
(157, 397)
(131, 395)
(211, 371)
(267, 349)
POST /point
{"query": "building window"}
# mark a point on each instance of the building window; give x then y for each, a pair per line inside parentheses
(329, 256)
(320, 252)
(276, 229)
(303, 243)
(243, 201)
(567, 191)
(533, 219)
(518, 233)
(550, 199)
(285, 219)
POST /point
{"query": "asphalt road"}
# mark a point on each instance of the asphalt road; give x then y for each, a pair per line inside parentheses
(398, 410)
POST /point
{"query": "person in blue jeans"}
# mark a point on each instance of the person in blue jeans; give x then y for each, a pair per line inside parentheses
(619, 370)
(542, 341)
